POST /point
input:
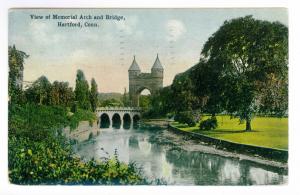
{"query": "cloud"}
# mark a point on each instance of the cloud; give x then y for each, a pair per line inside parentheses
(175, 29)
(42, 34)
(127, 26)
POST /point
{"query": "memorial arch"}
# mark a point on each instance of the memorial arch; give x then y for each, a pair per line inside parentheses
(139, 81)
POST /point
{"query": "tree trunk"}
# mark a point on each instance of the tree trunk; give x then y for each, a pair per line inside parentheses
(248, 124)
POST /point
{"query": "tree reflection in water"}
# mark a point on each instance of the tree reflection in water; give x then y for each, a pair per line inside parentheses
(161, 156)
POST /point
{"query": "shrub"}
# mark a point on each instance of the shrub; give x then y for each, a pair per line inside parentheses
(51, 163)
(209, 124)
(185, 117)
(81, 115)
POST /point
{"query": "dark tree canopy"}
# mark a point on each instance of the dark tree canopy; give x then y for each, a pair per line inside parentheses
(245, 52)
(39, 91)
(61, 94)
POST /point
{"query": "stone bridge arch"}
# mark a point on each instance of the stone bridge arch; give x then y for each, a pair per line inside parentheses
(121, 112)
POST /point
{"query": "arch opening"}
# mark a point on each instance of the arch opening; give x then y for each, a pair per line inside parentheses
(126, 121)
(104, 121)
(116, 121)
(143, 98)
(136, 118)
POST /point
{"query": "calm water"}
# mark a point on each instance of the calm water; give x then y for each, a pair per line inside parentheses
(163, 154)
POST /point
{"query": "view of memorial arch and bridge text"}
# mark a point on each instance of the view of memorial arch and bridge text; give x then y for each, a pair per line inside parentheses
(131, 96)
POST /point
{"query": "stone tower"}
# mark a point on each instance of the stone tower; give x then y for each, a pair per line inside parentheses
(139, 81)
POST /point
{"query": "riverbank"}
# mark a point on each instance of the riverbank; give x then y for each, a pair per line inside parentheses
(194, 141)
(189, 144)
(162, 123)
(82, 132)
(266, 156)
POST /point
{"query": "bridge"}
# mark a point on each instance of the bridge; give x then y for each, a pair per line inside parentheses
(117, 116)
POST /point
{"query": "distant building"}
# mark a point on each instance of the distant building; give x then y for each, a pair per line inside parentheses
(139, 81)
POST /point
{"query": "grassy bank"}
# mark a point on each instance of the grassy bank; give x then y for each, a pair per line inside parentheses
(267, 131)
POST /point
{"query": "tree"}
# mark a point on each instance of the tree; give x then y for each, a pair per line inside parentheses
(144, 101)
(183, 98)
(16, 65)
(112, 103)
(125, 98)
(94, 95)
(160, 103)
(245, 52)
(208, 87)
(39, 91)
(273, 96)
(61, 94)
(82, 93)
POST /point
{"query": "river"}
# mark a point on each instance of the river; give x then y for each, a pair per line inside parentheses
(168, 156)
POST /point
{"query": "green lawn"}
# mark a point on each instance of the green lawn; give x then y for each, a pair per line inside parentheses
(267, 131)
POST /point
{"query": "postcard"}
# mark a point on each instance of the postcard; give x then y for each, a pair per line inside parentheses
(147, 96)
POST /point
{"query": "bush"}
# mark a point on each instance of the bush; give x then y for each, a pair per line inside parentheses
(209, 124)
(51, 163)
(185, 117)
(81, 115)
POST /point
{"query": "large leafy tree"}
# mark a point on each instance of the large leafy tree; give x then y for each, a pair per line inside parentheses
(208, 87)
(16, 65)
(160, 103)
(245, 52)
(39, 91)
(61, 94)
(82, 93)
(94, 95)
(183, 98)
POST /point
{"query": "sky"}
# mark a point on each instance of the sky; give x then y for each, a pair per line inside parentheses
(106, 52)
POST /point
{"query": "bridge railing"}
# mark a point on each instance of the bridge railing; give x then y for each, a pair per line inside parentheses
(118, 108)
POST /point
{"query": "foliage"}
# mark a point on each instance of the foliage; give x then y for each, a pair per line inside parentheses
(48, 162)
(183, 97)
(273, 96)
(81, 115)
(39, 155)
(94, 95)
(208, 87)
(125, 98)
(185, 117)
(61, 94)
(144, 101)
(112, 103)
(160, 103)
(39, 91)
(15, 77)
(82, 94)
(209, 124)
(36, 121)
(246, 51)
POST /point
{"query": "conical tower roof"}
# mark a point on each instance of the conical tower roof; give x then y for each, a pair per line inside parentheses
(157, 64)
(134, 66)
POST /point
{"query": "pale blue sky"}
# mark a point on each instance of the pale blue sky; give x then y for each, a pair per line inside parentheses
(106, 52)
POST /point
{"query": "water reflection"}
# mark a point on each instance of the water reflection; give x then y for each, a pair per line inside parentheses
(175, 165)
